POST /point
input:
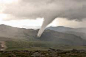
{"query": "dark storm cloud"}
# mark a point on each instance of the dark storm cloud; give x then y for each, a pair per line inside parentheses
(71, 9)
(48, 9)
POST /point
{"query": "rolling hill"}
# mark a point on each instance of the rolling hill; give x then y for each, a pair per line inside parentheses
(49, 35)
(76, 31)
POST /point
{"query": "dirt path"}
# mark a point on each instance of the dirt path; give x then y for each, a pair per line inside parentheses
(2, 45)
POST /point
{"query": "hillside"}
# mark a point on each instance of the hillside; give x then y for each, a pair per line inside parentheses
(63, 29)
(76, 31)
(49, 35)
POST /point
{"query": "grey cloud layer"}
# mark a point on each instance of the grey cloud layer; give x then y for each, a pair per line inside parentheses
(48, 9)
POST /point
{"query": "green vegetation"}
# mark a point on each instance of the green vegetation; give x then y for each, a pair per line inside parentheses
(27, 45)
(38, 45)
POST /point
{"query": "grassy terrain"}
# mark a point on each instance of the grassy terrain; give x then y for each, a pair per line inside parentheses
(38, 45)
(27, 45)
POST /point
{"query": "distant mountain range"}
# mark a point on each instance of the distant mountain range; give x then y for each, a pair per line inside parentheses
(64, 29)
(76, 31)
(52, 34)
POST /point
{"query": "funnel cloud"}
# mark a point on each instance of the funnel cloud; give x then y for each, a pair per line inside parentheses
(47, 9)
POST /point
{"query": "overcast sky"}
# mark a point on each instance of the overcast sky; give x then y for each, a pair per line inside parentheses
(32, 13)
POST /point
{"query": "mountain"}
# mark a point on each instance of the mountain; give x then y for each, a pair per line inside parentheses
(48, 35)
(60, 28)
(62, 38)
(63, 29)
(76, 31)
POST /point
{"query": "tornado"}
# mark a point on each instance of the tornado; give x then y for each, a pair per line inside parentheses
(47, 9)
(44, 25)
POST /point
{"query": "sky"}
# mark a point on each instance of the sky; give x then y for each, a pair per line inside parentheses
(27, 23)
(32, 13)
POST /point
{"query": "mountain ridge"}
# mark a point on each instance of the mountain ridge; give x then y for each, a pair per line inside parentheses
(76, 31)
(48, 35)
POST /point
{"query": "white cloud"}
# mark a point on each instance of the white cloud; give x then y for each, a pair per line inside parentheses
(71, 23)
(27, 23)
(8, 1)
